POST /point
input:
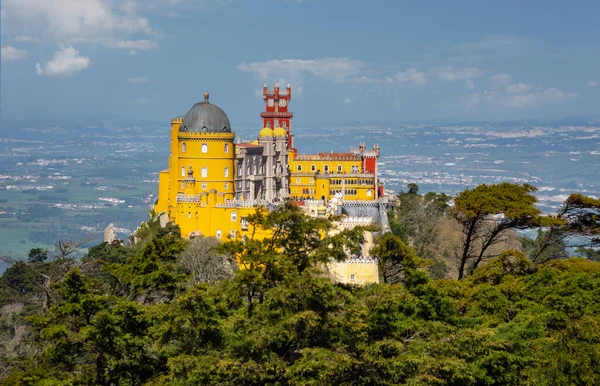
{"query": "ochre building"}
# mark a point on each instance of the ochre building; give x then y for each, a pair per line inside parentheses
(213, 183)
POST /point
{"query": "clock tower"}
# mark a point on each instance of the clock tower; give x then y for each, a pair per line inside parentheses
(276, 112)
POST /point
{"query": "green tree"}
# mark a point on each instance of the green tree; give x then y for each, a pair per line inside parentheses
(394, 258)
(486, 213)
(544, 248)
(577, 223)
(295, 243)
(37, 255)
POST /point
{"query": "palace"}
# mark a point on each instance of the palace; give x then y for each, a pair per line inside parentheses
(213, 184)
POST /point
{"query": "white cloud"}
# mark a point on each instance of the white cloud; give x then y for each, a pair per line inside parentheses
(411, 75)
(363, 79)
(133, 45)
(348, 100)
(337, 70)
(141, 79)
(517, 88)
(132, 53)
(65, 62)
(593, 83)
(500, 79)
(26, 39)
(451, 74)
(491, 48)
(470, 84)
(75, 20)
(9, 53)
(499, 98)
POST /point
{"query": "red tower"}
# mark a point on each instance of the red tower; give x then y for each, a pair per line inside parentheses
(276, 112)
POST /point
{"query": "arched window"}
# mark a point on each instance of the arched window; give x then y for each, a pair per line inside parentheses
(189, 214)
(204, 148)
(204, 172)
(284, 124)
(226, 148)
(313, 168)
(369, 193)
(233, 216)
(226, 185)
(218, 233)
(232, 234)
(326, 168)
(183, 147)
(183, 171)
(299, 168)
(339, 168)
(226, 172)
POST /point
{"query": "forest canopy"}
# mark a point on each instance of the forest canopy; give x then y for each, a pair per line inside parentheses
(170, 311)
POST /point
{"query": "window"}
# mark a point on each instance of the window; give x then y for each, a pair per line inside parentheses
(183, 171)
(312, 180)
(204, 148)
(182, 185)
(226, 172)
(352, 277)
(297, 180)
(369, 193)
(326, 168)
(189, 214)
(218, 233)
(226, 148)
(299, 168)
(226, 185)
(339, 168)
(204, 185)
(196, 214)
(244, 224)
(233, 216)
(183, 147)
(313, 168)
(204, 172)
(232, 234)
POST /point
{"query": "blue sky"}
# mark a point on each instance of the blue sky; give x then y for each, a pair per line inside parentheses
(347, 61)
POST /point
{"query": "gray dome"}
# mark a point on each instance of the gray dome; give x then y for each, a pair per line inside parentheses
(205, 117)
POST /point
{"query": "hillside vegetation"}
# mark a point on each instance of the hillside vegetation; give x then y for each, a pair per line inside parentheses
(168, 311)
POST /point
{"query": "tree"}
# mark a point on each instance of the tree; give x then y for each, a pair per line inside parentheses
(486, 213)
(394, 258)
(576, 224)
(37, 255)
(555, 247)
(205, 264)
(589, 253)
(295, 243)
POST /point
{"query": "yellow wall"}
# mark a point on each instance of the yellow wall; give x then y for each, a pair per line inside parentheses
(204, 208)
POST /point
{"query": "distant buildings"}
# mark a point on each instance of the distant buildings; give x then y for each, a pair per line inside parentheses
(213, 184)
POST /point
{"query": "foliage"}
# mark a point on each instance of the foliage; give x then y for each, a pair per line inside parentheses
(576, 224)
(555, 247)
(126, 315)
(486, 213)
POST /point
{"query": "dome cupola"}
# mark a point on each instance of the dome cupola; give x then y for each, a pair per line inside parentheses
(204, 117)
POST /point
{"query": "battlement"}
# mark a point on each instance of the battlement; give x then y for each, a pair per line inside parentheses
(206, 135)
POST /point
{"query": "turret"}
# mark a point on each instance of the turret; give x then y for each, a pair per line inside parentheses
(276, 90)
(289, 90)
(265, 89)
(376, 149)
